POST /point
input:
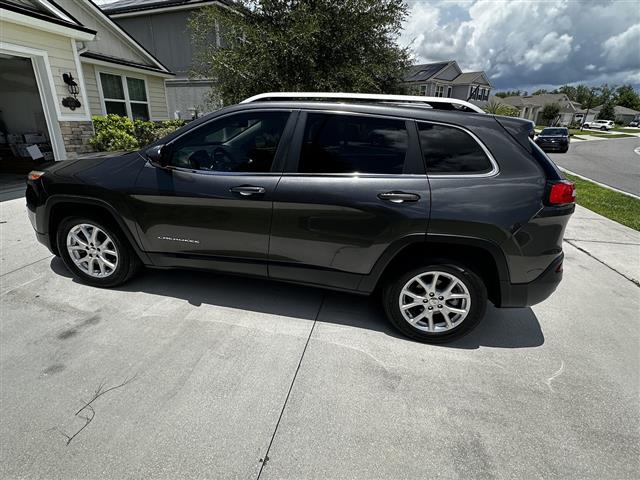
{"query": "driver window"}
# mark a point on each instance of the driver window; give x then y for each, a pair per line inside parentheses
(245, 142)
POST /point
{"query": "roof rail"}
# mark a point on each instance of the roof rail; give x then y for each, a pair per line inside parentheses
(441, 103)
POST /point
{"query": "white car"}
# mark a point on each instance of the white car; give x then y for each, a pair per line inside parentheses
(599, 124)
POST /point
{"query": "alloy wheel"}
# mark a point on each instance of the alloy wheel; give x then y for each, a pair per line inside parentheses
(435, 301)
(92, 250)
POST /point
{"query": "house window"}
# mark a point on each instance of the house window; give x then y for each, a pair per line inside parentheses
(423, 90)
(449, 89)
(439, 91)
(125, 96)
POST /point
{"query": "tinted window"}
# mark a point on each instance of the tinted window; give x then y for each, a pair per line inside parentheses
(245, 142)
(554, 131)
(451, 150)
(349, 144)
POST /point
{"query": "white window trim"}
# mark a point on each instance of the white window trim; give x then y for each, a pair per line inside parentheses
(438, 86)
(127, 101)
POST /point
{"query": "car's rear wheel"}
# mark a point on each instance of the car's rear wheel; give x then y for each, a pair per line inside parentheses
(435, 303)
(96, 252)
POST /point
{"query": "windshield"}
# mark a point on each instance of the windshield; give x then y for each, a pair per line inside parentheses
(554, 131)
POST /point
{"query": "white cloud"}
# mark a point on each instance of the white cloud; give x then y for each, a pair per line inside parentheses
(530, 43)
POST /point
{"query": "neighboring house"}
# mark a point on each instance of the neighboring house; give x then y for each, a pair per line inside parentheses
(60, 64)
(446, 79)
(162, 27)
(531, 106)
(623, 115)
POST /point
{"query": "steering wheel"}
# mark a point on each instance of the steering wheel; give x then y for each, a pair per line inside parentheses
(222, 161)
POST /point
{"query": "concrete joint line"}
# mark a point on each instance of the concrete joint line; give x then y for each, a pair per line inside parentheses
(632, 280)
(25, 266)
(265, 459)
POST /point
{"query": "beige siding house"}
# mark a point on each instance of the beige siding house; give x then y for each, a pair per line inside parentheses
(63, 62)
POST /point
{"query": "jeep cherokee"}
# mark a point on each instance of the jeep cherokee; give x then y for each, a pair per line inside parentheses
(429, 201)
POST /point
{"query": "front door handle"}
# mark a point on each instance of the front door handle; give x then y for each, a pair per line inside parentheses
(399, 197)
(247, 190)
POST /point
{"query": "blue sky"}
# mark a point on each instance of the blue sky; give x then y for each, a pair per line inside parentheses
(530, 44)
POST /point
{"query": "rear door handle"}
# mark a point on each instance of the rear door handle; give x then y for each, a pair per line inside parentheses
(247, 190)
(399, 197)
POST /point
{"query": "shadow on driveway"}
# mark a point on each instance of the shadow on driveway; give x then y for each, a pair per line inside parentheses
(501, 328)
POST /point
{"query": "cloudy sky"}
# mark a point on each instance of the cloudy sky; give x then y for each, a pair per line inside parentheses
(529, 44)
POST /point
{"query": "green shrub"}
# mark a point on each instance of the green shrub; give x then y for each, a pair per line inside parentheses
(144, 132)
(113, 132)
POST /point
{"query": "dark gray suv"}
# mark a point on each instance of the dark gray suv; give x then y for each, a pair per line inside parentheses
(436, 206)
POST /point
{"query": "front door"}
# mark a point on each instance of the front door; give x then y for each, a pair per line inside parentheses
(214, 204)
(354, 185)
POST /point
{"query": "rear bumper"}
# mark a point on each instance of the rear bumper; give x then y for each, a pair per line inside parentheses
(527, 294)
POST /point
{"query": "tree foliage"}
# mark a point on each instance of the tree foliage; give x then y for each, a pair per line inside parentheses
(607, 112)
(626, 96)
(549, 113)
(496, 108)
(300, 45)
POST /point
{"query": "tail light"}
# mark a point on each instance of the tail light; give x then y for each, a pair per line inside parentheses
(562, 192)
(35, 175)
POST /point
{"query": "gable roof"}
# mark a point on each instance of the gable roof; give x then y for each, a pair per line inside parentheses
(618, 109)
(421, 73)
(467, 78)
(121, 7)
(44, 11)
(539, 100)
(132, 53)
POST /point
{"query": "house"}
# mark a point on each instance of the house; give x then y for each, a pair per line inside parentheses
(623, 115)
(60, 64)
(446, 79)
(531, 106)
(162, 27)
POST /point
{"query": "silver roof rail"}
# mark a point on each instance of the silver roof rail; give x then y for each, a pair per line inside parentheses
(435, 102)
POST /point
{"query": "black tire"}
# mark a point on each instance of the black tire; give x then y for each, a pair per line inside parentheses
(564, 150)
(473, 283)
(604, 129)
(126, 266)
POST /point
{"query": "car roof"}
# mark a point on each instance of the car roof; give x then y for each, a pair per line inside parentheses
(410, 112)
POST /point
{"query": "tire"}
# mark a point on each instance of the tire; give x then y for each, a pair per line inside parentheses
(439, 331)
(564, 150)
(109, 248)
(604, 129)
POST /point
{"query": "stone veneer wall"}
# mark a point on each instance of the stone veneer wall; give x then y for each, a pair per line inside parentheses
(76, 136)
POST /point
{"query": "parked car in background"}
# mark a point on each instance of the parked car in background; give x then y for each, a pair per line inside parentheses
(554, 139)
(599, 124)
(635, 123)
(384, 196)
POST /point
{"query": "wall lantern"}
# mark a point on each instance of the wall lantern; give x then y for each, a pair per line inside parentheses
(71, 102)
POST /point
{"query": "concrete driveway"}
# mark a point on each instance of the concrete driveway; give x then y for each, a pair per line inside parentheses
(206, 376)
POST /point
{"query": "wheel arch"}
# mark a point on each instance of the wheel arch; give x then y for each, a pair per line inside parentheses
(61, 206)
(482, 256)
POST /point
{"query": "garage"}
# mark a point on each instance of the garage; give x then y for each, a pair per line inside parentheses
(25, 142)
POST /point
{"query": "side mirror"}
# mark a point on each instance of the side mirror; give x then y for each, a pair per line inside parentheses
(157, 155)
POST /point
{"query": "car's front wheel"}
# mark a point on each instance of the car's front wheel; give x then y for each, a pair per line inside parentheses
(604, 129)
(435, 303)
(96, 252)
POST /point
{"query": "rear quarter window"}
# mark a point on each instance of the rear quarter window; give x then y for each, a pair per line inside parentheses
(451, 151)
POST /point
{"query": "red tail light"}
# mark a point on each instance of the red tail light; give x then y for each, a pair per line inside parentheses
(562, 192)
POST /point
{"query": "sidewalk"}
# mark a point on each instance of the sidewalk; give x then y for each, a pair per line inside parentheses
(609, 242)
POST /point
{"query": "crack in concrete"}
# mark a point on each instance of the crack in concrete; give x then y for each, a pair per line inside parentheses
(632, 280)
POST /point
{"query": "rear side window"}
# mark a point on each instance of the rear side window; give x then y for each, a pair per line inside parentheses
(449, 150)
(335, 143)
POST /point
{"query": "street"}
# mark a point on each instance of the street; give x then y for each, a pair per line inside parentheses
(206, 376)
(612, 162)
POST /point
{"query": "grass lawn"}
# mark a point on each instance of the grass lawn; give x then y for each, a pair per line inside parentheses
(616, 206)
(596, 133)
(627, 130)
